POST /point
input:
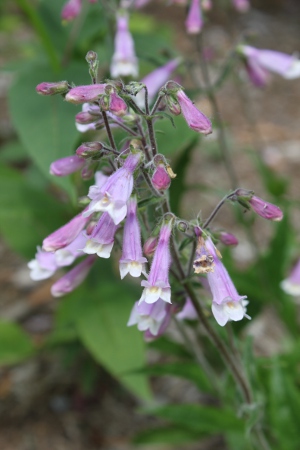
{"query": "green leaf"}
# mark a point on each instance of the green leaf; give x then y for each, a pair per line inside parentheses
(15, 345)
(100, 310)
(46, 124)
(189, 370)
(200, 419)
(168, 347)
(166, 435)
(13, 152)
(27, 215)
(172, 140)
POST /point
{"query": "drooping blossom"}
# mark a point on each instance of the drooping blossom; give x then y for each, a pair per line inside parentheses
(83, 94)
(65, 166)
(153, 318)
(157, 286)
(265, 209)
(72, 279)
(101, 240)
(65, 234)
(227, 304)
(291, 285)
(71, 10)
(194, 20)
(132, 260)
(259, 64)
(241, 5)
(112, 197)
(124, 61)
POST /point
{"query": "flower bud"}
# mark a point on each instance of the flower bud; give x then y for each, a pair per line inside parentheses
(89, 149)
(83, 94)
(160, 179)
(173, 105)
(65, 166)
(150, 245)
(61, 87)
(104, 103)
(71, 10)
(228, 238)
(182, 226)
(265, 209)
(117, 105)
(91, 57)
(85, 117)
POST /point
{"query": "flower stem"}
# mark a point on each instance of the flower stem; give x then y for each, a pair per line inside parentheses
(217, 209)
(108, 130)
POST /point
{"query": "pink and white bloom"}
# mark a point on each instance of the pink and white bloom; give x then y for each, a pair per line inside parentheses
(112, 197)
(83, 94)
(260, 63)
(124, 61)
(195, 119)
(157, 286)
(65, 234)
(153, 319)
(65, 166)
(291, 285)
(71, 10)
(72, 279)
(101, 240)
(241, 5)
(132, 260)
(227, 303)
(194, 20)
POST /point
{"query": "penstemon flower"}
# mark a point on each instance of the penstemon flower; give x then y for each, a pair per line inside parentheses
(132, 260)
(124, 61)
(194, 20)
(153, 319)
(101, 240)
(112, 197)
(84, 94)
(157, 286)
(65, 166)
(291, 285)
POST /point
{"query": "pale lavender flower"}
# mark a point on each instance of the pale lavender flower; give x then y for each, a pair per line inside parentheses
(241, 5)
(153, 319)
(72, 279)
(160, 179)
(45, 88)
(67, 255)
(157, 286)
(124, 61)
(291, 285)
(43, 266)
(65, 234)
(101, 240)
(83, 94)
(65, 166)
(195, 119)
(265, 209)
(188, 311)
(112, 197)
(71, 10)
(260, 63)
(194, 20)
(132, 260)
(227, 303)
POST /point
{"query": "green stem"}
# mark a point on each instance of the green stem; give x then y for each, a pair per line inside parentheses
(41, 31)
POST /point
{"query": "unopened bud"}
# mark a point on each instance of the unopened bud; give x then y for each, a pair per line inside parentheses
(265, 209)
(61, 87)
(160, 179)
(228, 238)
(85, 117)
(89, 149)
(173, 105)
(117, 105)
(65, 166)
(84, 94)
(91, 57)
(182, 226)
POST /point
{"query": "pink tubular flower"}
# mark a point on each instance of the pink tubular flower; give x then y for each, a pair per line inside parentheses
(92, 111)
(72, 279)
(112, 197)
(157, 286)
(117, 105)
(65, 166)
(195, 119)
(101, 240)
(71, 10)
(124, 61)
(291, 285)
(265, 209)
(161, 179)
(241, 5)
(65, 234)
(260, 63)
(228, 238)
(151, 318)
(83, 94)
(227, 303)
(60, 87)
(132, 260)
(194, 20)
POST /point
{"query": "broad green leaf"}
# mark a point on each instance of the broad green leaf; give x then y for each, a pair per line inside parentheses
(100, 310)
(13, 152)
(15, 345)
(172, 140)
(189, 370)
(200, 419)
(168, 347)
(46, 124)
(27, 214)
(167, 435)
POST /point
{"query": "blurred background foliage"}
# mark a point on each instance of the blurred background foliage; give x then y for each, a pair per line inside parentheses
(89, 333)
